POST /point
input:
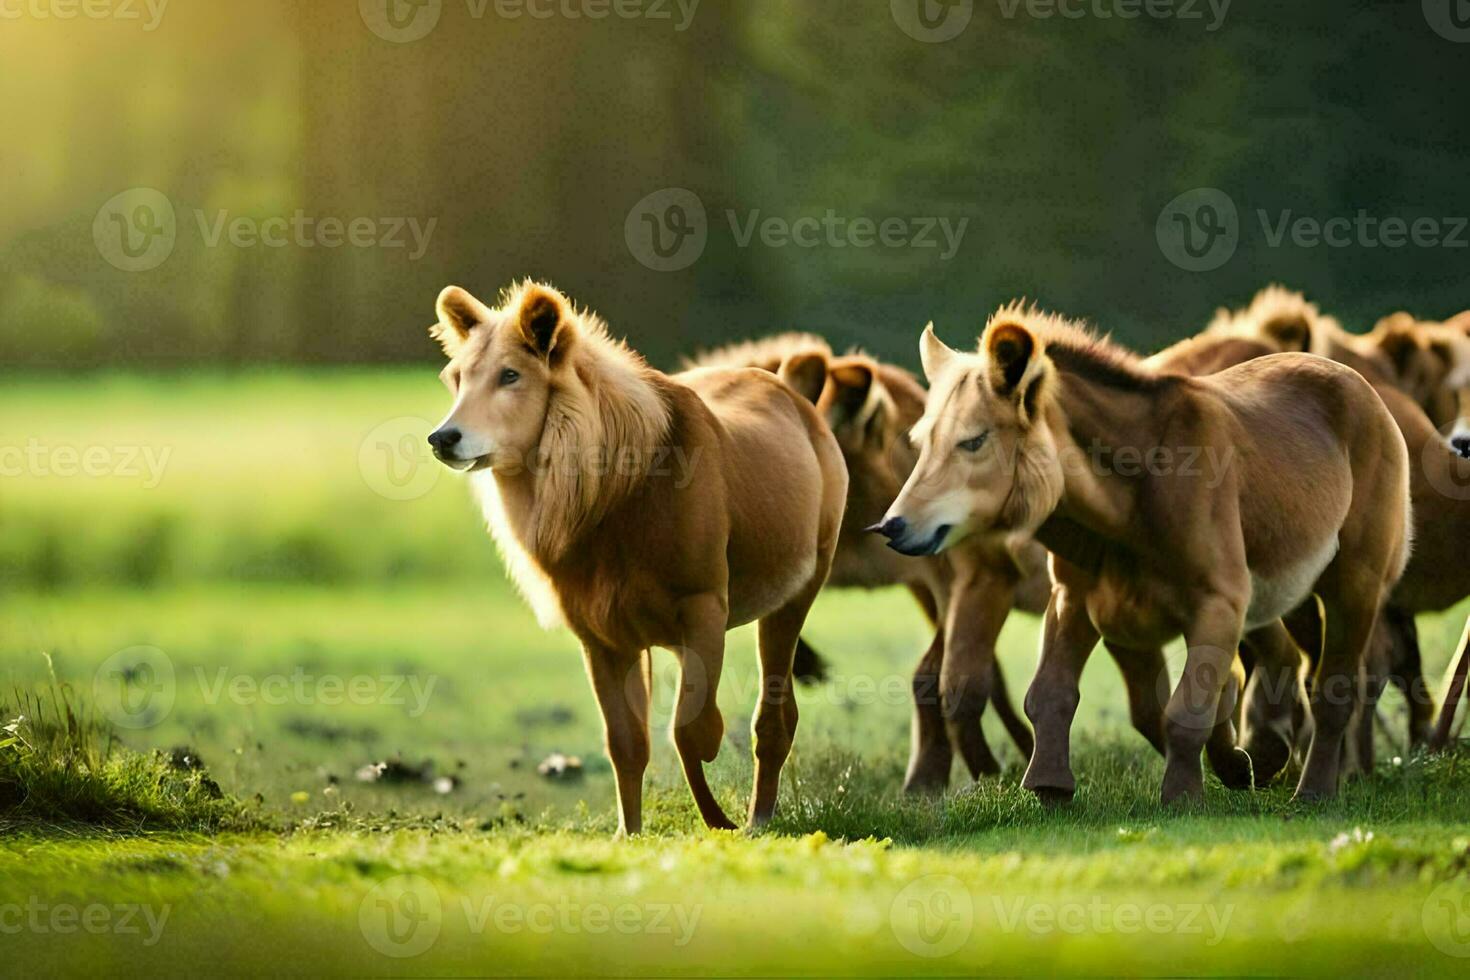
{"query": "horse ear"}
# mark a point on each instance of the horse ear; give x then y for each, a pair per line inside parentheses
(544, 323)
(459, 313)
(1398, 341)
(1011, 348)
(933, 353)
(1291, 332)
(858, 397)
(806, 373)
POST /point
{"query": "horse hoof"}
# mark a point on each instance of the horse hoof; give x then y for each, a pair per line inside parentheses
(1234, 769)
(1268, 756)
(1053, 796)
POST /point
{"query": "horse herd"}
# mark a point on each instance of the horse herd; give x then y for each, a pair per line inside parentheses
(1282, 493)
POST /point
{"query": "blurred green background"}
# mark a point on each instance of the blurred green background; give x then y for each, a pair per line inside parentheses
(528, 142)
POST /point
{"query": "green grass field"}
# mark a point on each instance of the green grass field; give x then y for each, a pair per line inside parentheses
(265, 570)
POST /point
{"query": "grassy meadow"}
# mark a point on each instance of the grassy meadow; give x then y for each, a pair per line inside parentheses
(265, 576)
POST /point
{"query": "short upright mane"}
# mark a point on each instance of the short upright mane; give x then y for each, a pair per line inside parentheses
(1281, 315)
(766, 353)
(1077, 349)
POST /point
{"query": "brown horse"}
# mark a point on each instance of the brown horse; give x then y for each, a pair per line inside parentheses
(966, 594)
(570, 437)
(1048, 429)
(1416, 368)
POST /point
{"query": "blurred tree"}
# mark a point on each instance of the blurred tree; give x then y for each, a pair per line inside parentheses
(518, 146)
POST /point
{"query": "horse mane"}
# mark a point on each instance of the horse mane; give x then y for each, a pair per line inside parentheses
(1276, 313)
(765, 353)
(1078, 349)
(606, 416)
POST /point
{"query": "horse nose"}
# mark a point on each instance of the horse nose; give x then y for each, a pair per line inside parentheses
(892, 528)
(442, 440)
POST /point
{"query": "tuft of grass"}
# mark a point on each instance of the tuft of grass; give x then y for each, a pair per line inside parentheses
(62, 766)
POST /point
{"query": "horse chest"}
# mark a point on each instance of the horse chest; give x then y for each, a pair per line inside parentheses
(623, 609)
(1131, 610)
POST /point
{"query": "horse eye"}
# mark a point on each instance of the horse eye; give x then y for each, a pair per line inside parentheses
(509, 376)
(974, 444)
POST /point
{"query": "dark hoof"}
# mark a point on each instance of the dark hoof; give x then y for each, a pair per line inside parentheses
(1053, 796)
(1268, 757)
(1233, 769)
(925, 786)
(1182, 799)
(1308, 797)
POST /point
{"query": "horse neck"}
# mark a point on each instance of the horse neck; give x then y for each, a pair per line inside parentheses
(1091, 421)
